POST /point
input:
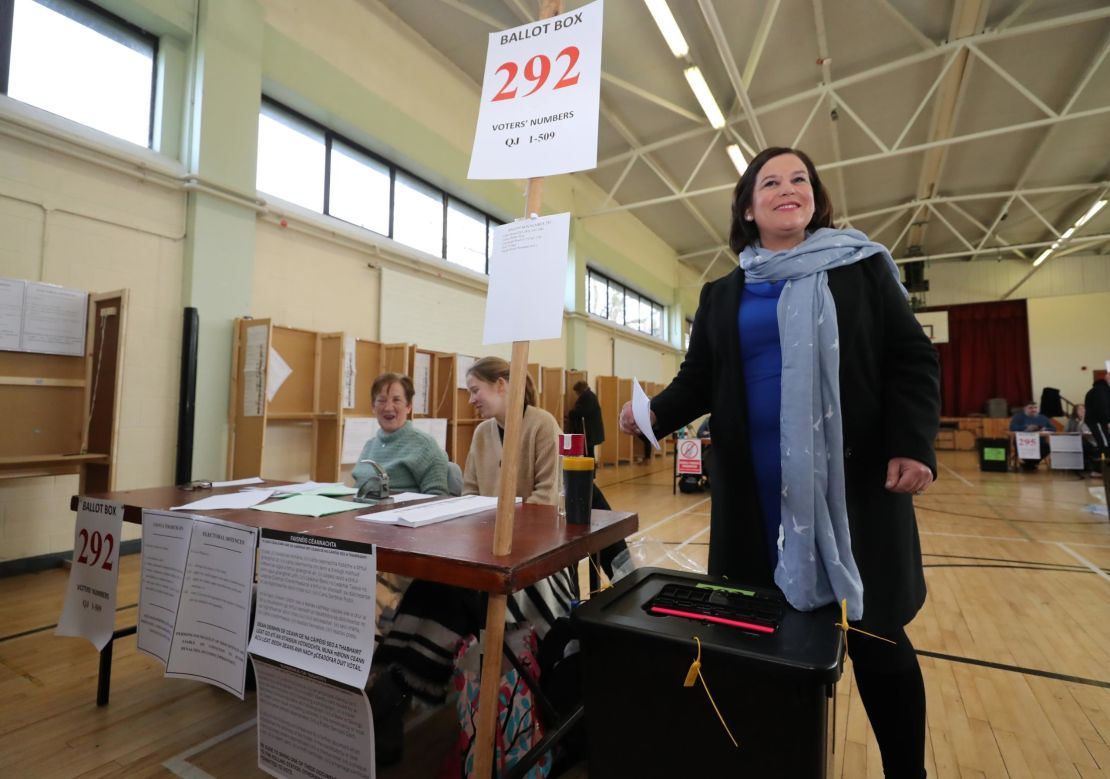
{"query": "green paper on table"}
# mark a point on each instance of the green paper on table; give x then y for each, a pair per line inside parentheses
(309, 506)
(335, 491)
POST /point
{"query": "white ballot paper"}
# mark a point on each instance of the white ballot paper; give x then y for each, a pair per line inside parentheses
(1028, 445)
(1067, 451)
(165, 550)
(240, 482)
(431, 513)
(540, 97)
(210, 639)
(90, 606)
(243, 499)
(276, 374)
(641, 411)
(527, 279)
(310, 728)
(315, 607)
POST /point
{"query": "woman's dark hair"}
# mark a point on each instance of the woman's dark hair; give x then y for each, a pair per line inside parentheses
(490, 369)
(580, 387)
(744, 232)
(387, 380)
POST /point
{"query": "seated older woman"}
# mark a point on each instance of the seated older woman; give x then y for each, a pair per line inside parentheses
(412, 458)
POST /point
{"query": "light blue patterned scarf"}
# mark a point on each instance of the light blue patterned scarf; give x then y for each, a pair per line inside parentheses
(815, 564)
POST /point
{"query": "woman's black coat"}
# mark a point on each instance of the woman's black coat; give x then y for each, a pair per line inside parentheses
(890, 405)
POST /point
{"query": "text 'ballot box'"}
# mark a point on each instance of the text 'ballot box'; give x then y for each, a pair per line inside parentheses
(774, 688)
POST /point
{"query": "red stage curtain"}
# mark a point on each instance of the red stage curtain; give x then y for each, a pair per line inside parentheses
(987, 356)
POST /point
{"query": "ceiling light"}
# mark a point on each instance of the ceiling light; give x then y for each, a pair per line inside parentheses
(664, 20)
(705, 97)
(1090, 213)
(1043, 256)
(1067, 233)
(737, 158)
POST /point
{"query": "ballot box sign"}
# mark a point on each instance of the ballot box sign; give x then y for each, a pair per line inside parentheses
(90, 604)
(540, 98)
(689, 455)
(1028, 445)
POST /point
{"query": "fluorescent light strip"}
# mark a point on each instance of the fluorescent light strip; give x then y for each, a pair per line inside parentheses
(737, 158)
(1090, 213)
(1043, 256)
(705, 98)
(664, 20)
(1094, 209)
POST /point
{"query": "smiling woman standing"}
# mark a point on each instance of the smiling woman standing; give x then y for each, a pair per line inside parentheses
(824, 393)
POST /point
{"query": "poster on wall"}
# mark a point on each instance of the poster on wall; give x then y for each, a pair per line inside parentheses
(42, 318)
(540, 98)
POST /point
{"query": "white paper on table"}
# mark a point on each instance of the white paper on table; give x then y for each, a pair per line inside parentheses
(1028, 446)
(527, 278)
(356, 432)
(89, 610)
(435, 427)
(301, 487)
(11, 313)
(309, 727)
(254, 370)
(349, 371)
(421, 381)
(210, 640)
(54, 319)
(540, 127)
(243, 499)
(432, 513)
(315, 608)
(406, 497)
(276, 374)
(463, 362)
(239, 482)
(1067, 451)
(641, 411)
(165, 550)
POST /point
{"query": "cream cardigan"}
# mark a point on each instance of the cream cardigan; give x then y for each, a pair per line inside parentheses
(537, 479)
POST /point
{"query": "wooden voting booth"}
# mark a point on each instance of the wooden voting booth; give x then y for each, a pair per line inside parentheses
(62, 411)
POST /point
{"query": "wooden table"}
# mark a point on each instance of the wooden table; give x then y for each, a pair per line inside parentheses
(457, 552)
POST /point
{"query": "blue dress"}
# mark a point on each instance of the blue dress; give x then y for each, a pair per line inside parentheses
(761, 355)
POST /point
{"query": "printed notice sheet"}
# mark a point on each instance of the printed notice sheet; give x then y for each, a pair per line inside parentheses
(90, 606)
(309, 727)
(540, 98)
(165, 549)
(254, 370)
(11, 313)
(1067, 451)
(350, 372)
(527, 280)
(315, 606)
(54, 319)
(210, 640)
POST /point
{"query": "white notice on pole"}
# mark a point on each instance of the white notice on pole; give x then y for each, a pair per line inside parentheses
(90, 605)
(310, 728)
(527, 276)
(165, 549)
(316, 605)
(210, 640)
(540, 98)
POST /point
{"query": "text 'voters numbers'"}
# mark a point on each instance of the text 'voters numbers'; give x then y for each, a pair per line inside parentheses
(536, 71)
(95, 544)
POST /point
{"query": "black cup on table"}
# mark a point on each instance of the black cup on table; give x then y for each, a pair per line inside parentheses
(578, 487)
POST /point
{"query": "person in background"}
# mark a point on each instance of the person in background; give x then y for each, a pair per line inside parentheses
(1077, 423)
(585, 417)
(412, 458)
(416, 658)
(825, 397)
(1031, 420)
(1098, 413)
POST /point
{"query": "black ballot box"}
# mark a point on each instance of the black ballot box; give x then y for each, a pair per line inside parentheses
(772, 675)
(994, 454)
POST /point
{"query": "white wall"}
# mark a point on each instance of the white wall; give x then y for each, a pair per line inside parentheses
(953, 283)
(1068, 340)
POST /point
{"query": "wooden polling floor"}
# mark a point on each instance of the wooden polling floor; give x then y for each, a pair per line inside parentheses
(1015, 645)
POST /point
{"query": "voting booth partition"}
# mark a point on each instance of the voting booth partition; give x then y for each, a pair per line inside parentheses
(61, 410)
(775, 691)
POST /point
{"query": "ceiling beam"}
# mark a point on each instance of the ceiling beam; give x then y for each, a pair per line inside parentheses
(770, 9)
(652, 98)
(724, 51)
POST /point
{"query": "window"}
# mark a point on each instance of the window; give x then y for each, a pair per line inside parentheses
(615, 302)
(418, 215)
(466, 236)
(308, 164)
(82, 63)
(358, 189)
(291, 159)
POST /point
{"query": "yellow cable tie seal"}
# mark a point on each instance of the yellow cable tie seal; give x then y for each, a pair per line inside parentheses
(843, 625)
(695, 673)
(605, 583)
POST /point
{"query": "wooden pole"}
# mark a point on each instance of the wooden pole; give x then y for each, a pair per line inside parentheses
(506, 509)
